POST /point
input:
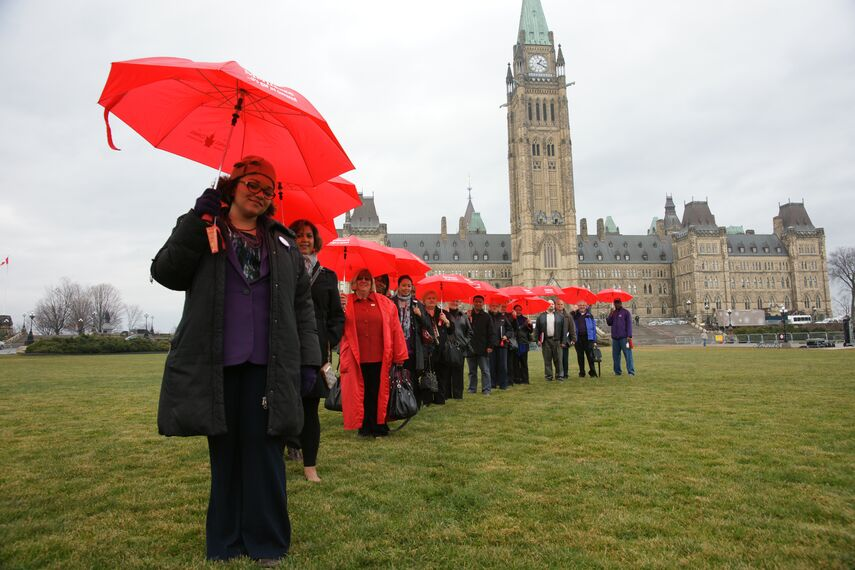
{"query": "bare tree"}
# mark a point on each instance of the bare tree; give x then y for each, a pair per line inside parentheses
(132, 316)
(841, 268)
(106, 307)
(53, 311)
(81, 308)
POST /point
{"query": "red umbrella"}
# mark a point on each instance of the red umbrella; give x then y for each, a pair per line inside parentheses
(407, 263)
(573, 295)
(319, 204)
(609, 295)
(217, 113)
(530, 305)
(549, 291)
(517, 292)
(348, 255)
(450, 286)
(492, 296)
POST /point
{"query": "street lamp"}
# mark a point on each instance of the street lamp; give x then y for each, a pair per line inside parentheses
(152, 324)
(80, 326)
(730, 322)
(784, 322)
(689, 309)
(146, 322)
(94, 322)
(707, 312)
(30, 338)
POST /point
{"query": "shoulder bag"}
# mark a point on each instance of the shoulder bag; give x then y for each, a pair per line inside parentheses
(402, 399)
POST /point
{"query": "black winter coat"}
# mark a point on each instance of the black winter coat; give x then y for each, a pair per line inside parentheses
(484, 333)
(417, 325)
(191, 395)
(329, 317)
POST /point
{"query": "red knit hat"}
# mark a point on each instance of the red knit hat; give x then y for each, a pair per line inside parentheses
(251, 164)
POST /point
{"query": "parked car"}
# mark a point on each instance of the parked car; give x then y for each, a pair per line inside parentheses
(819, 343)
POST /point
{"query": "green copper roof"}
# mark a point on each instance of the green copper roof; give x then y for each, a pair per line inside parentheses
(476, 224)
(734, 230)
(533, 23)
(611, 227)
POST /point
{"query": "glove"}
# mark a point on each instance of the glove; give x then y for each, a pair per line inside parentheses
(208, 203)
(308, 377)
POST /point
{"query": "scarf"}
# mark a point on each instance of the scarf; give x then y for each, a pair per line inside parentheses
(310, 261)
(405, 313)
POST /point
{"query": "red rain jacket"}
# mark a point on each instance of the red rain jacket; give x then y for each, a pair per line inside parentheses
(352, 384)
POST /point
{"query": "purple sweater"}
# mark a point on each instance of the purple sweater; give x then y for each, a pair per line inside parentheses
(621, 323)
(246, 318)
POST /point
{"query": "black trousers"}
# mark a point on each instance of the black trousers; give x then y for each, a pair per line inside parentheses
(455, 373)
(521, 368)
(371, 377)
(248, 507)
(585, 348)
(310, 437)
(443, 380)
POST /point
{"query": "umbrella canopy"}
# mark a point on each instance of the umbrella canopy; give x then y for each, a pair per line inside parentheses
(449, 287)
(492, 296)
(319, 204)
(549, 291)
(530, 305)
(575, 294)
(517, 292)
(609, 295)
(407, 263)
(217, 113)
(349, 255)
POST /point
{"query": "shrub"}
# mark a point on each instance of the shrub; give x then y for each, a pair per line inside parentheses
(94, 344)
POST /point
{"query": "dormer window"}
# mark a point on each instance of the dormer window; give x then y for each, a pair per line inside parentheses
(626, 257)
(426, 256)
(456, 256)
(741, 249)
(778, 249)
(475, 257)
(421, 244)
(753, 249)
(765, 249)
(599, 257)
(644, 256)
(617, 257)
(485, 257)
(581, 257)
(435, 256)
(405, 243)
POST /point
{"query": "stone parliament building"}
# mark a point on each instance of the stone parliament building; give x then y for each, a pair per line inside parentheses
(687, 266)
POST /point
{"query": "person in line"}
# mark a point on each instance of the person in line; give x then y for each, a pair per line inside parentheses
(565, 346)
(620, 321)
(522, 330)
(552, 331)
(442, 329)
(381, 285)
(484, 339)
(372, 343)
(330, 322)
(460, 348)
(586, 338)
(246, 343)
(499, 355)
(416, 327)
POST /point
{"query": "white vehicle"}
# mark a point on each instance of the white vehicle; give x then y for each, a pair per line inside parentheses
(799, 319)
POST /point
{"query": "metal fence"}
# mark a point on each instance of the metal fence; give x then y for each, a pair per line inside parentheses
(770, 339)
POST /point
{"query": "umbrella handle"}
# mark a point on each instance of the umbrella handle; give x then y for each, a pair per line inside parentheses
(235, 117)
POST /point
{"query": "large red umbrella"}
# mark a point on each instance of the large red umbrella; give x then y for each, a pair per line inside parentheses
(319, 204)
(348, 255)
(530, 305)
(549, 291)
(517, 292)
(492, 296)
(609, 296)
(450, 286)
(575, 294)
(217, 113)
(407, 263)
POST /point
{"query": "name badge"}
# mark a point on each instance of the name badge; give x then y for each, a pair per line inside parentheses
(284, 242)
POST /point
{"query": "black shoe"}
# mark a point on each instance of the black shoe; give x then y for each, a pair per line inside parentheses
(592, 374)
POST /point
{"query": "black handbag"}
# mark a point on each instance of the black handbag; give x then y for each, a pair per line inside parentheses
(333, 398)
(598, 354)
(451, 352)
(513, 344)
(402, 399)
(428, 381)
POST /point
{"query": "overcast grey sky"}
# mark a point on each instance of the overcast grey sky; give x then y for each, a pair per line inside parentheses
(747, 104)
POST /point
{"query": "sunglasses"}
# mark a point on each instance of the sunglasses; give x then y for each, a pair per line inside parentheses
(256, 188)
(363, 278)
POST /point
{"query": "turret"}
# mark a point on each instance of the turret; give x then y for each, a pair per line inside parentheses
(559, 63)
(509, 80)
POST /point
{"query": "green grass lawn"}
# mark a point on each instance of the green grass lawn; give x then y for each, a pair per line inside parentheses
(721, 457)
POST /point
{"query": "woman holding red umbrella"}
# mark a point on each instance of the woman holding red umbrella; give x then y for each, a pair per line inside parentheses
(372, 343)
(245, 345)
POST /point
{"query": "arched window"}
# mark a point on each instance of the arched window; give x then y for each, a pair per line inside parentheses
(733, 303)
(529, 110)
(718, 302)
(552, 110)
(537, 109)
(818, 304)
(747, 303)
(649, 310)
(759, 303)
(544, 110)
(787, 302)
(549, 255)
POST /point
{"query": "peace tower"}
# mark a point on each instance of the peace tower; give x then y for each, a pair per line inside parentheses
(540, 163)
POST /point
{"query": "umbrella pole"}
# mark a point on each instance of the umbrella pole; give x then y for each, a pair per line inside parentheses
(235, 117)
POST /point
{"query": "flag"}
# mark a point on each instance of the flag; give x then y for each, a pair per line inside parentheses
(4, 261)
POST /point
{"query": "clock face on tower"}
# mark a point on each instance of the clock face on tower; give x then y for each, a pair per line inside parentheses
(537, 63)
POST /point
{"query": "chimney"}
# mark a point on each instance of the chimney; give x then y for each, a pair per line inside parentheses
(583, 228)
(778, 226)
(660, 228)
(749, 232)
(462, 230)
(601, 229)
(443, 229)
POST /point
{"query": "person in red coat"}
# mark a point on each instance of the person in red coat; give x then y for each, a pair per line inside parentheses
(372, 343)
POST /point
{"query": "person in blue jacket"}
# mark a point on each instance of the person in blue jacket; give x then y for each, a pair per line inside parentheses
(586, 337)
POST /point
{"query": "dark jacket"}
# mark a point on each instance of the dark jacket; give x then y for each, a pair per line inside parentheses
(329, 317)
(504, 327)
(462, 330)
(440, 332)
(483, 333)
(561, 327)
(522, 330)
(191, 395)
(417, 325)
(586, 319)
(621, 323)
